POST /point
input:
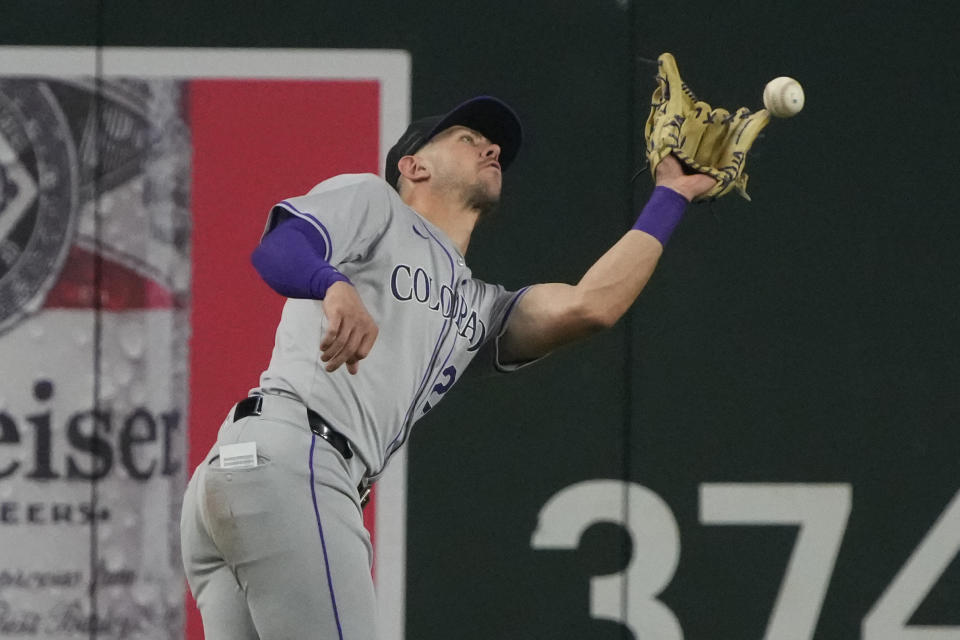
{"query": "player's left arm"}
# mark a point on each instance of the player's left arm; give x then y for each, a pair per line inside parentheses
(551, 315)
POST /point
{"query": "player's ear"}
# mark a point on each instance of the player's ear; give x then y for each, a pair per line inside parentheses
(413, 168)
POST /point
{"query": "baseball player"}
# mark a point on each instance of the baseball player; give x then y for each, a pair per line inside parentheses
(383, 317)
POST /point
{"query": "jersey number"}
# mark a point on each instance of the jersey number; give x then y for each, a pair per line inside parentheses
(450, 375)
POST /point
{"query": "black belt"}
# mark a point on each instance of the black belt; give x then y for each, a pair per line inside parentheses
(253, 406)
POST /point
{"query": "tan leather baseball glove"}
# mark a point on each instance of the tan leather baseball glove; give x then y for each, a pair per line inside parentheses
(710, 141)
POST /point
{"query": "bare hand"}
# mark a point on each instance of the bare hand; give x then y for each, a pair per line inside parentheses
(352, 331)
(670, 174)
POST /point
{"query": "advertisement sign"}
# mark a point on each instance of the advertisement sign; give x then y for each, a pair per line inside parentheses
(133, 185)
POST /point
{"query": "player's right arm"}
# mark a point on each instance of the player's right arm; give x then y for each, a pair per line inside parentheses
(305, 238)
(554, 314)
(291, 259)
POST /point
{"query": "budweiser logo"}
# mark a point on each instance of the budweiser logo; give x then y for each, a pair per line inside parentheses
(39, 189)
(94, 288)
(97, 442)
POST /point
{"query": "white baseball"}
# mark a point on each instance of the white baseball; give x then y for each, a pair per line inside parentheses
(783, 97)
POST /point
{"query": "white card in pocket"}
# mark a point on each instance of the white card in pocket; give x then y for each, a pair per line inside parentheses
(242, 455)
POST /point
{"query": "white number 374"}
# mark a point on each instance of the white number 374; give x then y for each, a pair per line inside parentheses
(819, 510)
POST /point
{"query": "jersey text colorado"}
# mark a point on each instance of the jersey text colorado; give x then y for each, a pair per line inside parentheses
(413, 284)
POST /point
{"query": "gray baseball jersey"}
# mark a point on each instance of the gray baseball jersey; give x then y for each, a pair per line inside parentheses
(434, 318)
(277, 549)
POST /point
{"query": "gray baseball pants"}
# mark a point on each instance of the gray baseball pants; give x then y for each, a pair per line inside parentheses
(279, 551)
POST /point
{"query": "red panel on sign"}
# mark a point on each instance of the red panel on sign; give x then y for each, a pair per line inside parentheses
(121, 287)
(255, 142)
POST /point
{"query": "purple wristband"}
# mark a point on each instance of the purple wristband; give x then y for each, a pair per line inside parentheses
(661, 214)
(323, 278)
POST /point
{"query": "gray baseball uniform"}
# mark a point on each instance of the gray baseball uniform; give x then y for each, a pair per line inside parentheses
(278, 550)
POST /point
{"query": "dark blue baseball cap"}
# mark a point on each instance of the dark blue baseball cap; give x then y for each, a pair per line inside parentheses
(486, 114)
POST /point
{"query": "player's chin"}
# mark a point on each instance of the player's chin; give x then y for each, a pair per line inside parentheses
(493, 184)
(484, 198)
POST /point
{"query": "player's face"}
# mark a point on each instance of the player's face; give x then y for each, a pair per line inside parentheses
(466, 161)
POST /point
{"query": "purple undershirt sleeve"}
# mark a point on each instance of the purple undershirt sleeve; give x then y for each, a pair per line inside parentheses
(662, 214)
(291, 260)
